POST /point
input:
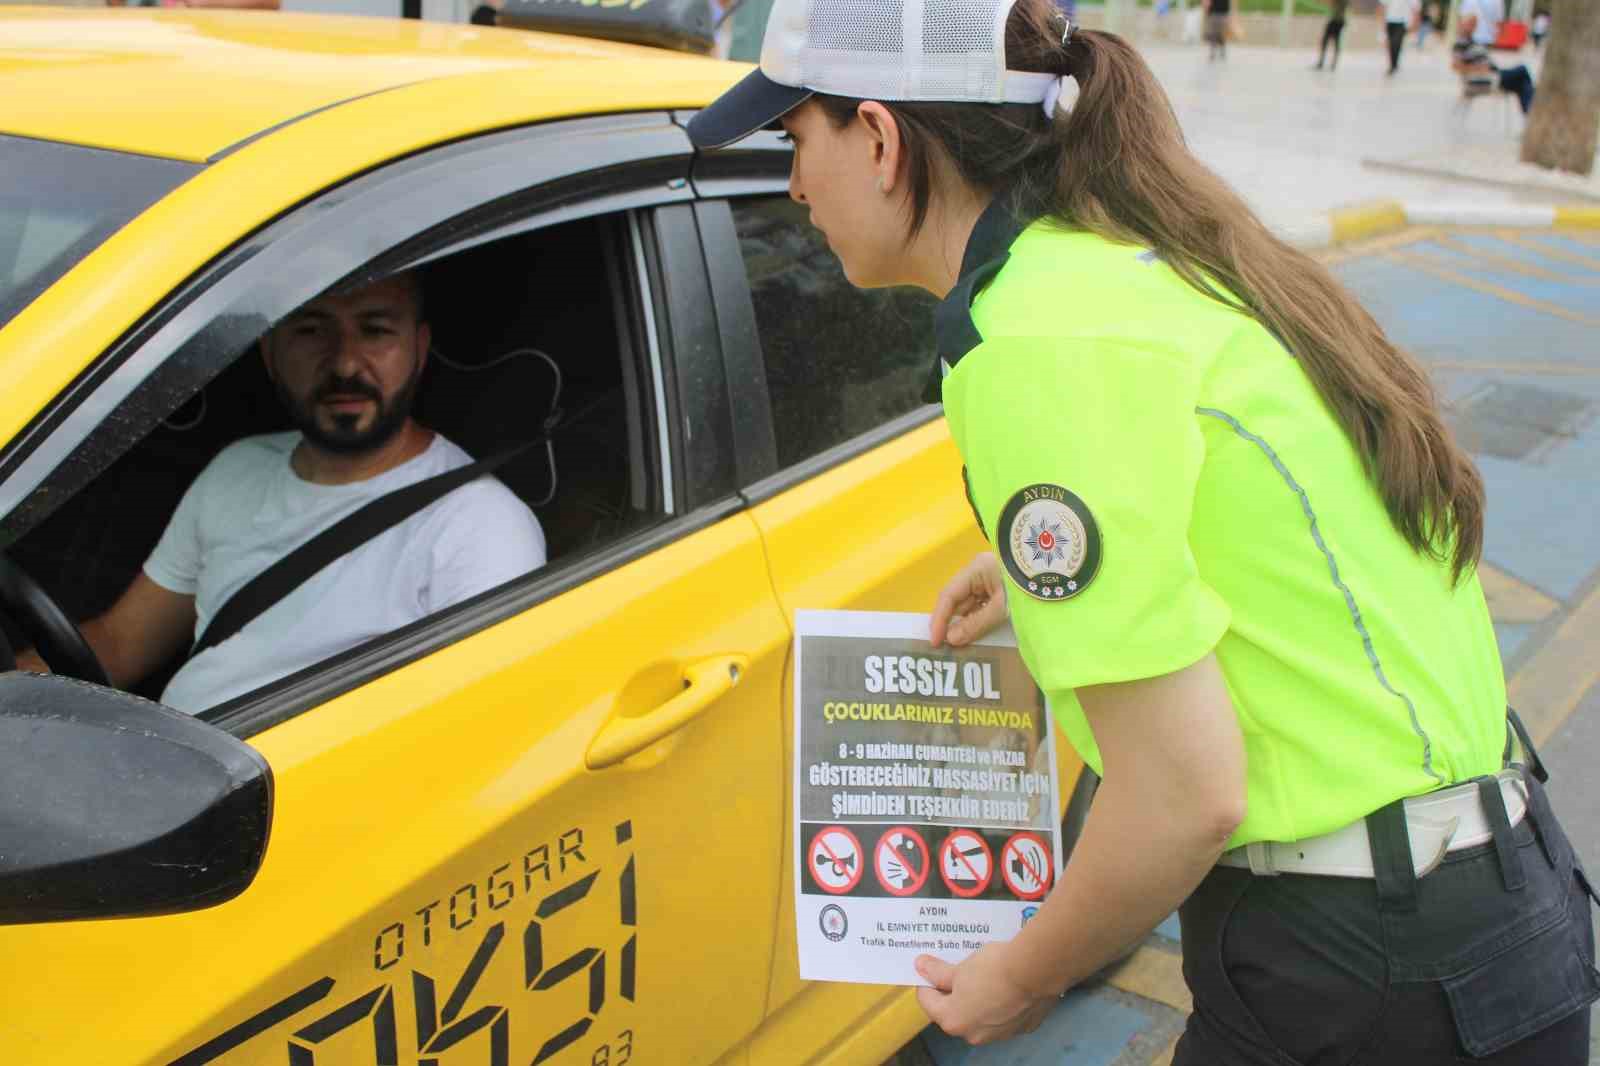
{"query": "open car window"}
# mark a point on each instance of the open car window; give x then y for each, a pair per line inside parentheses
(515, 357)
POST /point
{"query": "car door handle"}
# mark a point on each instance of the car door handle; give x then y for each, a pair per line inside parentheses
(704, 683)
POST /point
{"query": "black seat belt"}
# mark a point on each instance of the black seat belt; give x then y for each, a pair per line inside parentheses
(338, 540)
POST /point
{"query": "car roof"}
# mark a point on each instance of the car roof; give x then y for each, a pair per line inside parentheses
(194, 84)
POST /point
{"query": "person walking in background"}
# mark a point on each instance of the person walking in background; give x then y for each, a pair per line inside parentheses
(1398, 18)
(1423, 22)
(1337, 9)
(1218, 12)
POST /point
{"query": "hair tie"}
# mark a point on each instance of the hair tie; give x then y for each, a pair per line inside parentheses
(1052, 96)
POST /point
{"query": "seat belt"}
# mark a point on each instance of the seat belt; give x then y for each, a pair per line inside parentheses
(338, 540)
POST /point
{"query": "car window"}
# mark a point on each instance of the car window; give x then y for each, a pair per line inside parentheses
(840, 361)
(510, 364)
(58, 202)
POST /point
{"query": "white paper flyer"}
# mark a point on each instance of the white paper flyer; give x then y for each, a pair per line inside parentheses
(925, 795)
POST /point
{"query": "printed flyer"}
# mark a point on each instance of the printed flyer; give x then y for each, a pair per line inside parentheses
(925, 795)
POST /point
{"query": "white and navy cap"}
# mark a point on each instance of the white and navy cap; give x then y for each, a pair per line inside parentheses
(930, 50)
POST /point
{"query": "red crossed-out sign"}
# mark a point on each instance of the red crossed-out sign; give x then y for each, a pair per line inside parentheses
(835, 860)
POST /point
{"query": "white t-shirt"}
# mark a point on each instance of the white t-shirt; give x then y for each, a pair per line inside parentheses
(1490, 14)
(1400, 10)
(248, 509)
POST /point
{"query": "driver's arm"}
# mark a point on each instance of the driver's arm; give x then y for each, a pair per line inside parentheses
(140, 631)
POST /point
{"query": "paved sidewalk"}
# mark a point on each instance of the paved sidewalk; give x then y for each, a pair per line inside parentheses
(1293, 141)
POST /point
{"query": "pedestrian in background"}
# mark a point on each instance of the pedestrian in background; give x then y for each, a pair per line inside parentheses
(1337, 9)
(1424, 23)
(1218, 16)
(1399, 16)
(1233, 534)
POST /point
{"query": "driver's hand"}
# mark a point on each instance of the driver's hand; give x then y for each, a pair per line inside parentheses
(29, 660)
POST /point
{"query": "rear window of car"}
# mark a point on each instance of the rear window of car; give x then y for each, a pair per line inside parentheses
(58, 202)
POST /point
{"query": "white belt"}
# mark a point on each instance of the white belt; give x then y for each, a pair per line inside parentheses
(1439, 822)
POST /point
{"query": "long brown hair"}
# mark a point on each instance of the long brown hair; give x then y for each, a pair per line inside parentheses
(1116, 165)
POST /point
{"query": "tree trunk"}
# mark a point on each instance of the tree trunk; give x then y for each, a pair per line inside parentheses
(1565, 121)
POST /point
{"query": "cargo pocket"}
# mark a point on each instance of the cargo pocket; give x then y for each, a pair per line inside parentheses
(1525, 988)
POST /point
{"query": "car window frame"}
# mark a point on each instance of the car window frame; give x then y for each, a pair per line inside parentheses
(759, 167)
(625, 166)
(683, 342)
(505, 169)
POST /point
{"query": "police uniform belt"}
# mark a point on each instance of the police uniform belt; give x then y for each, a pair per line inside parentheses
(1439, 822)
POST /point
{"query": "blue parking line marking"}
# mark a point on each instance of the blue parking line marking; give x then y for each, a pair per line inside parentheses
(1583, 299)
(1510, 636)
(1438, 320)
(1532, 529)
(1089, 1028)
(1522, 253)
(1569, 244)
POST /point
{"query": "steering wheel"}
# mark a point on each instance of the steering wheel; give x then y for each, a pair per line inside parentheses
(59, 642)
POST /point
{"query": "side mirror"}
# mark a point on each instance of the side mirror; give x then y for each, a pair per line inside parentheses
(113, 806)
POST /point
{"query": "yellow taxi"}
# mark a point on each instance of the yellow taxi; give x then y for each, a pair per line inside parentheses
(549, 824)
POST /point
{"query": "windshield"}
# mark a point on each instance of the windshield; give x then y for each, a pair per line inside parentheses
(58, 202)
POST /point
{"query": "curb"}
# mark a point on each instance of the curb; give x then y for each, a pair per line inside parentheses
(1348, 224)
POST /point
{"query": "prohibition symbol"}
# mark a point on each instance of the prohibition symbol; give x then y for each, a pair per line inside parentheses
(901, 861)
(835, 860)
(1025, 866)
(966, 863)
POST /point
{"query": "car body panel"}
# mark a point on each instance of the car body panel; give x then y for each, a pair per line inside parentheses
(396, 783)
(53, 339)
(189, 85)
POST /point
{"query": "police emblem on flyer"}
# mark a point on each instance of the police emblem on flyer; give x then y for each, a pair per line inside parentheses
(1049, 542)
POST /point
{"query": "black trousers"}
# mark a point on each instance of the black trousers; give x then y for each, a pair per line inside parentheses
(1330, 35)
(1397, 37)
(1489, 958)
(1517, 80)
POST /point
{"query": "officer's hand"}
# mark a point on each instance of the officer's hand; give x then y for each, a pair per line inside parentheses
(972, 603)
(978, 1000)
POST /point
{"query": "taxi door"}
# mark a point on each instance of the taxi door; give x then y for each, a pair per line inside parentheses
(535, 829)
(860, 504)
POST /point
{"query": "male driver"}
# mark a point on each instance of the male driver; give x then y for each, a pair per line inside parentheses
(346, 367)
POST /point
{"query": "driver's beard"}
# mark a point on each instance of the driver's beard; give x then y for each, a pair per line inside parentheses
(344, 438)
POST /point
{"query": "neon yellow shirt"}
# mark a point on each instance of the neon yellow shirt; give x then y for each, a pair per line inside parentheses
(1215, 505)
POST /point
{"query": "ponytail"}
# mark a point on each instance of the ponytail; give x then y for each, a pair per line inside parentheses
(1116, 165)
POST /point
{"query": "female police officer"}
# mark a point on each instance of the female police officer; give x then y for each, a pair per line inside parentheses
(1237, 543)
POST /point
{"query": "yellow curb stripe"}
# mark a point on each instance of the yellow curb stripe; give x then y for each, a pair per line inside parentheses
(1354, 223)
(1156, 975)
(1334, 255)
(1553, 681)
(1511, 600)
(1466, 281)
(1549, 251)
(1583, 215)
(1503, 263)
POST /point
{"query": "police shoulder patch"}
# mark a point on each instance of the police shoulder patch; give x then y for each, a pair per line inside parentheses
(1048, 542)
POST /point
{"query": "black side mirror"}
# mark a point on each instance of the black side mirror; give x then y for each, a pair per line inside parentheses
(113, 806)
